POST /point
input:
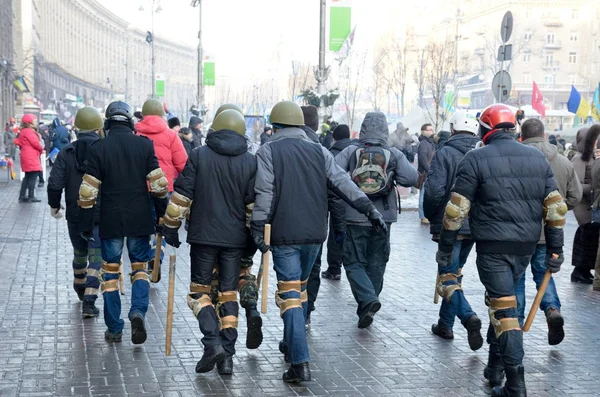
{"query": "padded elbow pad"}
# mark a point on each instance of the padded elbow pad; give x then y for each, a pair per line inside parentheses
(159, 186)
(88, 191)
(555, 210)
(177, 210)
(456, 211)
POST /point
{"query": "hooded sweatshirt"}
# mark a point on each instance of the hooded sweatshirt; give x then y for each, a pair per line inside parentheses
(374, 131)
(168, 147)
(60, 135)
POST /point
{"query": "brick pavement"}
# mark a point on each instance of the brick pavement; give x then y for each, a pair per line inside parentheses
(47, 349)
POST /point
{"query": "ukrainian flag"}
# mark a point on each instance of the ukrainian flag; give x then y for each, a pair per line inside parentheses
(596, 105)
(20, 84)
(577, 104)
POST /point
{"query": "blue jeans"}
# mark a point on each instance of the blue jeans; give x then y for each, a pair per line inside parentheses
(421, 197)
(538, 268)
(112, 250)
(458, 305)
(86, 262)
(293, 263)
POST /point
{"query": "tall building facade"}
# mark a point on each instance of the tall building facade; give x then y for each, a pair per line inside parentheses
(7, 66)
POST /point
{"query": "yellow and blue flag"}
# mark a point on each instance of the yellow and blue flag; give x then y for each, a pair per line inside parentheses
(596, 105)
(20, 85)
(577, 104)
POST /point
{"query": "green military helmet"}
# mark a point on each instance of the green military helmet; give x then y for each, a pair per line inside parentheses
(230, 119)
(228, 106)
(153, 107)
(287, 113)
(88, 119)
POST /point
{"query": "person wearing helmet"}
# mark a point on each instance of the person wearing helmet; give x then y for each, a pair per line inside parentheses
(123, 164)
(169, 149)
(569, 187)
(508, 192)
(67, 174)
(31, 149)
(294, 173)
(440, 179)
(215, 187)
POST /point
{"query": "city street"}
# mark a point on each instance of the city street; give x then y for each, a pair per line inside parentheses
(47, 349)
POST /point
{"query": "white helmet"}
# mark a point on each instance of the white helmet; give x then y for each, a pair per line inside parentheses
(461, 120)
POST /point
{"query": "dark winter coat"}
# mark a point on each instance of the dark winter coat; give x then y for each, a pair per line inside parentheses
(198, 137)
(340, 145)
(443, 137)
(219, 178)
(264, 137)
(188, 142)
(327, 140)
(67, 173)
(292, 180)
(506, 183)
(441, 177)
(121, 162)
(425, 153)
(59, 135)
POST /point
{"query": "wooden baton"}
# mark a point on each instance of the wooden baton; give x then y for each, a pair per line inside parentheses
(170, 302)
(436, 295)
(538, 298)
(156, 267)
(265, 275)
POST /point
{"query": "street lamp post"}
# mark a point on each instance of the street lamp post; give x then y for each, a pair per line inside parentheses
(150, 40)
(555, 68)
(200, 85)
(322, 71)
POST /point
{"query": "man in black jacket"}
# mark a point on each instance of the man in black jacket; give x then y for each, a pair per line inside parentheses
(124, 163)
(292, 180)
(440, 180)
(67, 174)
(507, 190)
(215, 187)
(196, 127)
(425, 153)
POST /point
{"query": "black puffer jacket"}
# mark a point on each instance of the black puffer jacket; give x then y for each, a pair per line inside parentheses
(219, 177)
(425, 152)
(67, 174)
(441, 177)
(506, 183)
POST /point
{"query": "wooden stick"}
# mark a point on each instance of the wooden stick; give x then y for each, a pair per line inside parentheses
(170, 302)
(121, 279)
(538, 299)
(156, 268)
(436, 295)
(265, 275)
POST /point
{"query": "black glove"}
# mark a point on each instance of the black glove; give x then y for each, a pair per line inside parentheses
(442, 258)
(554, 259)
(377, 220)
(259, 239)
(170, 235)
(339, 237)
(87, 236)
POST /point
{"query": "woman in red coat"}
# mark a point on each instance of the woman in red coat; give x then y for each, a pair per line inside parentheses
(31, 150)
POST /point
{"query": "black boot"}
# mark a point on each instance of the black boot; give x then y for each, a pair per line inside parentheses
(34, 199)
(366, 316)
(473, 326)
(138, 329)
(89, 309)
(80, 291)
(494, 370)
(515, 383)
(225, 367)
(556, 322)
(254, 335)
(581, 276)
(212, 355)
(441, 331)
(297, 373)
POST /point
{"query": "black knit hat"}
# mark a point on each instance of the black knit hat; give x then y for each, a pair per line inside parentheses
(194, 121)
(340, 132)
(174, 122)
(311, 117)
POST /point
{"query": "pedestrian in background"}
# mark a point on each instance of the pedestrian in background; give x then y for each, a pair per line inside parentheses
(31, 149)
(425, 152)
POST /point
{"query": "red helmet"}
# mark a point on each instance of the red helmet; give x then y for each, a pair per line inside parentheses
(29, 119)
(495, 118)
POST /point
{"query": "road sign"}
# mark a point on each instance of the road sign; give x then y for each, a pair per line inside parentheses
(507, 26)
(505, 52)
(501, 86)
(159, 87)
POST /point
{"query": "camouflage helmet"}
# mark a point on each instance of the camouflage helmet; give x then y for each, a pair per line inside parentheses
(287, 113)
(153, 107)
(228, 106)
(230, 119)
(88, 119)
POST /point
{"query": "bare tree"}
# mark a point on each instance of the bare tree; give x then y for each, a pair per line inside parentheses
(379, 76)
(397, 66)
(419, 74)
(523, 41)
(301, 78)
(352, 77)
(438, 74)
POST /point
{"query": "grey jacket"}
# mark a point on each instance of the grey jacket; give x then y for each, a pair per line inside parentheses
(567, 181)
(291, 188)
(582, 211)
(374, 131)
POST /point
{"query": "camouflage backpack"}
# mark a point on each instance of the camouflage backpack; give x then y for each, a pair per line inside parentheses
(373, 173)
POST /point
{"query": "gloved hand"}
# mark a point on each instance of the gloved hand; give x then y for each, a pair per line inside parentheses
(170, 235)
(259, 239)
(339, 237)
(554, 260)
(87, 236)
(442, 258)
(55, 213)
(377, 220)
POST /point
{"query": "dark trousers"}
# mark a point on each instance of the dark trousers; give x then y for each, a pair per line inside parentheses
(28, 184)
(500, 275)
(87, 260)
(203, 259)
(334, 252)
(41, 176)
(314, 281)
(365, 254)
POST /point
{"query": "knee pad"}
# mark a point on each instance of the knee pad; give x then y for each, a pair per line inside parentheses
(303, 293)
(447, 290)
(284, 304)
(139, 271)
(110, 268)
(88, 191)
(177, 210)
(228, 321)
(199, 297)
(504, 324)
(456, 211)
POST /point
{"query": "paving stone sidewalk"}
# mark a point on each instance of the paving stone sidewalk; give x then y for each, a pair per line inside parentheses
(47, 349)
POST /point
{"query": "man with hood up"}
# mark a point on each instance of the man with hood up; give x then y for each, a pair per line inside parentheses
(196, 127)
(67, 173)
(59, 135)
(440, 179)
(366, 251)
(401, 140)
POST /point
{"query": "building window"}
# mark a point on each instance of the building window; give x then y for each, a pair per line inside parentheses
(527, 35)
(574, 13)
(572, 57)
(574, 36)
(549, 60)
(549, 38)
(526, 77)
(573, 79)
(548, 79)
(526, 58)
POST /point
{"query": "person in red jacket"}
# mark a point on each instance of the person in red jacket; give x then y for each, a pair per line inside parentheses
(31, 150)
(169, 149)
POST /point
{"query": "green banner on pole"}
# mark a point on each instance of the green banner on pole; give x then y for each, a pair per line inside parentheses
(208, 76)
(159, 86)
(339, 26)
